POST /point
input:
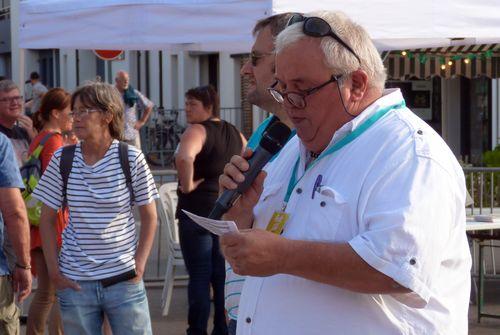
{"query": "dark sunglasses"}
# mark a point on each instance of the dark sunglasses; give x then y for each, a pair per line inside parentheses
(317, 27)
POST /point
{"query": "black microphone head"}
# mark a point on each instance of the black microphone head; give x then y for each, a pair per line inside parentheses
(275, 137)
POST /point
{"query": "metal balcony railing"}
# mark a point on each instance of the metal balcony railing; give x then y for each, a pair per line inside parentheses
(161, 135)
(483, 185)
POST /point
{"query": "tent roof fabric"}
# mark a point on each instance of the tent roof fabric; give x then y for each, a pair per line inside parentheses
(226, 25)
(201, 25)
(404, 67)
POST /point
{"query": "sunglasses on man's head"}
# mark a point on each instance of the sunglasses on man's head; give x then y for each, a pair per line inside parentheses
(317, 27)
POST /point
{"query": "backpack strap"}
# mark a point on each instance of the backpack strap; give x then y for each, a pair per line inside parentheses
(65, 165)
(123, 154)
(36, 153)
(46, 138)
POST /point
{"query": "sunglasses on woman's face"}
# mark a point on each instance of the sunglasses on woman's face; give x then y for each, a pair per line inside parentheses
(317, 27)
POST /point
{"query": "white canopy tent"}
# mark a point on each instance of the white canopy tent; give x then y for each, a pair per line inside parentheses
(225, 25)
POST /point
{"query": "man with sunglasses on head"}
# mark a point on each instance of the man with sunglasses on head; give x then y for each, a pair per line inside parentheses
(358, 227)
(259, 70)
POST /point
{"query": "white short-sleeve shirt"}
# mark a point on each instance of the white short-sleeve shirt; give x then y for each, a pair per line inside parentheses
(396, 194)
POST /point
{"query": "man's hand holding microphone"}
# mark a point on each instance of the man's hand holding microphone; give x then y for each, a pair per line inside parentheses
(251, 251)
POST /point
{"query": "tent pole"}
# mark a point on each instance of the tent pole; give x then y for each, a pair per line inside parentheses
(19, 68)
(18, 54)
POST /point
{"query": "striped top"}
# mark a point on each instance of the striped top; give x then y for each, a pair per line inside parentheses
(101, 239)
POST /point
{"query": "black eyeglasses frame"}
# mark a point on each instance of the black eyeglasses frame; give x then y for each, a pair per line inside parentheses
(281, 96)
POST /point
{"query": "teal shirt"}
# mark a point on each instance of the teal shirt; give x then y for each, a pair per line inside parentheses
(254, 140)
(236, 281)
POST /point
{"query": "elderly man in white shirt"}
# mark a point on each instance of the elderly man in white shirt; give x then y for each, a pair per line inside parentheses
(359, 225)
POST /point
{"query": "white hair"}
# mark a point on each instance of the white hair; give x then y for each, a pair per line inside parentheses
(337, 57)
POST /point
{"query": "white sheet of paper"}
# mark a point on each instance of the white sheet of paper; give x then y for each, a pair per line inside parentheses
(214, 226)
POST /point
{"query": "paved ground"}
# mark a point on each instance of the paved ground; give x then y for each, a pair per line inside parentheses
(487, 326)
(175, 322)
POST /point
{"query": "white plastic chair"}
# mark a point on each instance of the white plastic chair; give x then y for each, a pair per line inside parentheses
(166, 213)
(168, 197)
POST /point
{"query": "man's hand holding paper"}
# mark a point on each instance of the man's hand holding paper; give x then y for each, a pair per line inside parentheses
(214, 226)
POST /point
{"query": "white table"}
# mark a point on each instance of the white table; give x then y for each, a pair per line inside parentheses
(481, 239)
(477, 225)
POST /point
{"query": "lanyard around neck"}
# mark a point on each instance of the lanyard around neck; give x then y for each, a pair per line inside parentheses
(339, 145)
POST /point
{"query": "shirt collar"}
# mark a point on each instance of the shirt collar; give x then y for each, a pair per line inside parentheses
(389, 97)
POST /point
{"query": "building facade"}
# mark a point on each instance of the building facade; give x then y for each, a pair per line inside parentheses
(456, 90)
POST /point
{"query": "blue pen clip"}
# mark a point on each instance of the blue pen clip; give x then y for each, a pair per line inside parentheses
(317, 185)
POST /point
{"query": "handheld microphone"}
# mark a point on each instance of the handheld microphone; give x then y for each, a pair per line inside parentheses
(272, 141)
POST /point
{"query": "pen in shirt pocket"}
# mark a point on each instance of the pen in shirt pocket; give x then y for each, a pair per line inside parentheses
(317, 185)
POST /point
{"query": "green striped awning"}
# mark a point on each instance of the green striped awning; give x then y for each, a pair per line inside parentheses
(404, 67)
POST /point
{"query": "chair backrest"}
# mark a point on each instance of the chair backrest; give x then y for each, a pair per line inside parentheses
(168, 198)
(165, 223)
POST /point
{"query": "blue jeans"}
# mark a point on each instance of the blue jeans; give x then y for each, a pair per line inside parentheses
(206, 267)
(125, 304)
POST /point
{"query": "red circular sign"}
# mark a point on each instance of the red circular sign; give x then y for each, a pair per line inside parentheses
(108, 54)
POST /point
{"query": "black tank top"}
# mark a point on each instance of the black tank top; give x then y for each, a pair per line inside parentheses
(222, 142)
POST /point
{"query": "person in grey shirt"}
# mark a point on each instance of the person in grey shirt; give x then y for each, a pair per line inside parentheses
(37, 91)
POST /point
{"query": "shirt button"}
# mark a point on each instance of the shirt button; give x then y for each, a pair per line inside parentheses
(413, 261)
(420, 132)
(299, 190)
(248, 320)
(322, 204)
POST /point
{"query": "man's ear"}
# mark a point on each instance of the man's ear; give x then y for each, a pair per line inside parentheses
(359, 84)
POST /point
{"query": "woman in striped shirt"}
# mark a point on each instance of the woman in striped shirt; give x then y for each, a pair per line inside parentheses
(102, 258)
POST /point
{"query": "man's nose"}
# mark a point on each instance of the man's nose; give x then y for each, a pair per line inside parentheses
(247, 68)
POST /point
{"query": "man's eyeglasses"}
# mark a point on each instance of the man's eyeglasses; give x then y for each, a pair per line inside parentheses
(82, 112)
(18, 99)
(317, 27)
(298, 99)
(255, 56)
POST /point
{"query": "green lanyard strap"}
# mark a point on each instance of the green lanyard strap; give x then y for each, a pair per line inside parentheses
(339, 145)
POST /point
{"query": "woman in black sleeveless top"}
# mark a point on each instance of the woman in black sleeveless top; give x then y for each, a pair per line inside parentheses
(205, 147)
